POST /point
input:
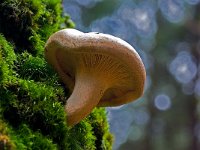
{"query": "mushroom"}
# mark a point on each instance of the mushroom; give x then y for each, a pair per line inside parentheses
(99, 69)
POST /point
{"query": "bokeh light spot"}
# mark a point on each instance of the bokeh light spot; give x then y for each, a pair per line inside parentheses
(183, 67)
(141, 17)
(110, 25)
(173, 10)
(162, 102)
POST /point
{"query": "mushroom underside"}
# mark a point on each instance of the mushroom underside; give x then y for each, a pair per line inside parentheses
(114, 73)
(110, 77)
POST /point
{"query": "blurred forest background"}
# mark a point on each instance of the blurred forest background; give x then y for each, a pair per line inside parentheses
(166, 34)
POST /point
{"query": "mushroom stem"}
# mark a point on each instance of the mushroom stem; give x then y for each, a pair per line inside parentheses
(85, 96)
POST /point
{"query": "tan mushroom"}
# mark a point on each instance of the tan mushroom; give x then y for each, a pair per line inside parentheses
(99, 69)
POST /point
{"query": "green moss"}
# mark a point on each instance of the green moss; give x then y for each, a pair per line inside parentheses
(23, 139)
(31, 95)
(82, 137)
(100, 126)
(32, 140)
(7, 58)
(34, 68)
(6, 51)
(35, 104)
(28, 23)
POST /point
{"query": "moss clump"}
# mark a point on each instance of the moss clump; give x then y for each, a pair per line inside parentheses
(27, 139)
(7, 58)
(35, 104)
(31, 95)
(100, 126)
(23, 139)
(82, 137)
(34, 68)
(28, 23)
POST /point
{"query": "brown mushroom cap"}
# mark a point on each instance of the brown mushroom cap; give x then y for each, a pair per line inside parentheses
(105, 61)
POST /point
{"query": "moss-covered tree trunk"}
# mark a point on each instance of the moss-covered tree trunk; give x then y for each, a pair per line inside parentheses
(31, 95)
